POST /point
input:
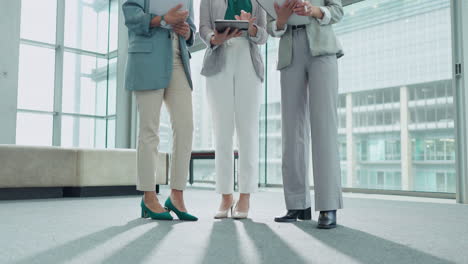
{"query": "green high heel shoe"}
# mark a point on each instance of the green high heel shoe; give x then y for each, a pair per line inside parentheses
(181, 215)
(146, 213)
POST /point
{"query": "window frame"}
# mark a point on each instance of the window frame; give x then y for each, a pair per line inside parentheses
(60, 49)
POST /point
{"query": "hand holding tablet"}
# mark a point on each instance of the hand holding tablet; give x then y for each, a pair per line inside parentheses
(228, 33)
(245, 16)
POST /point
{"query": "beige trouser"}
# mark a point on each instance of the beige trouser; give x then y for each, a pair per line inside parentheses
(178, 99)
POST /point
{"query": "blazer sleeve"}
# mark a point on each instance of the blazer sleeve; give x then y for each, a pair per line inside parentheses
(336, 10)
(135, 17)
(193, 28)
(262, 35)
(206, 32)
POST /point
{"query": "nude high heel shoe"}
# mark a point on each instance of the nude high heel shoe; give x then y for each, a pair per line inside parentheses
(225, 213)
(239, 215)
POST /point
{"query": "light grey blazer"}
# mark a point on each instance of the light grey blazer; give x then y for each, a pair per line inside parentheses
(215, 59)
(322, 38)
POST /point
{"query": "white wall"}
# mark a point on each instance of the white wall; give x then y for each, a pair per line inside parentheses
(10, 19)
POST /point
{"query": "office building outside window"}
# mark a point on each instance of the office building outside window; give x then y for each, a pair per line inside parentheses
(395, 107)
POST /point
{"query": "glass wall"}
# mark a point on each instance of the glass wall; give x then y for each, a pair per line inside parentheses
(395, 107)
(66, 93)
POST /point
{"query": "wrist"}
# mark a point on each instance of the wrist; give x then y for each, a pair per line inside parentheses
(253, 30)
(280, 24)
(156, 21)
(188, 35)
(163, 21)
(213, 41)
(317, 12)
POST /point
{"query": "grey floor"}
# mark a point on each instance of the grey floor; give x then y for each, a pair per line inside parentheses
(108, 230)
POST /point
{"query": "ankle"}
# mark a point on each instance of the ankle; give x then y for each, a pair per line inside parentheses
(227, 198)
(177, 195)
(150, 196)
(244, 197)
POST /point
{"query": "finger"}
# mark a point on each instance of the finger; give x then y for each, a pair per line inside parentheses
(183, 13)
(237, 17)
(296, 10)
(277, 7)
(253, 20)
(233, 34)
(180, 29)
(226, 32)
(180, 26)
(175, 8)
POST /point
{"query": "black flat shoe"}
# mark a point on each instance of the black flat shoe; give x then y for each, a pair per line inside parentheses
(327, 220)
(293, 215)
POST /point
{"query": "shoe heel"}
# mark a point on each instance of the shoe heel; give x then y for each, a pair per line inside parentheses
(144, 214)
(305, 215)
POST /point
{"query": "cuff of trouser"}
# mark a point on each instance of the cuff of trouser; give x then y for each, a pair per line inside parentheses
(298, 201)
(332, 208)
(329, 203)
(248, 189)
(228, 190)
(144, 188)
(179, 187)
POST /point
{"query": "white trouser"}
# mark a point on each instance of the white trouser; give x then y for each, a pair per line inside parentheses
(178, 99)
(234, 99)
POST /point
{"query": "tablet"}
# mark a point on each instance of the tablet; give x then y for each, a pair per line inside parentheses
(268, 6)
(161, 7)
(221, 25)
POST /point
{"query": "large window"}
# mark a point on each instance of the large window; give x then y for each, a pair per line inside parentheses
(397, 70)
(395, 102)
(66, 93)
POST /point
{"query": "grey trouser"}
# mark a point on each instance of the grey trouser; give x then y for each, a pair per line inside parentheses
(309, 89)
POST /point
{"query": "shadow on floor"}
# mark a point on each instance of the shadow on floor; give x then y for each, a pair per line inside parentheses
(367, 248)
(223, 245)
(271, 247)
(134, 252)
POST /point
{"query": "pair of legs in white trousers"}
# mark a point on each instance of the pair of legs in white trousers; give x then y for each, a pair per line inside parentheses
(234, 99)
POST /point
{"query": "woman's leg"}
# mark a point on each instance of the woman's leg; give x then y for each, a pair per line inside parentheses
(149, 108)
(323, 95)
(247, 92)
(220, 95)
(178, 99)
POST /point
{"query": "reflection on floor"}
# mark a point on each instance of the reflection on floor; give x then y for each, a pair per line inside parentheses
(109, 230)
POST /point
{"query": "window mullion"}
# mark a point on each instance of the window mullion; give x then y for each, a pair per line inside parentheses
(58, 82)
